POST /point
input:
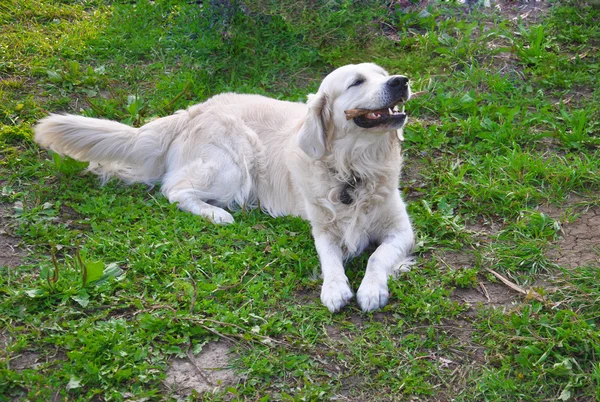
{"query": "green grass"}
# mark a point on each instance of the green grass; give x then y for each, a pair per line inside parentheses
(509, 126)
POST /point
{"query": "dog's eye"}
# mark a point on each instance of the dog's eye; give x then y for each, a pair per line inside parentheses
(358, 82)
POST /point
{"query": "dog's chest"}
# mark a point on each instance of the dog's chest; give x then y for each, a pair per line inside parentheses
(358, 207)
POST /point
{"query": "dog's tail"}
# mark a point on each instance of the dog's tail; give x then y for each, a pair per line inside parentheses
(113, 149)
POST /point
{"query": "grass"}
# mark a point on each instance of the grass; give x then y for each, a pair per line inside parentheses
(114, 282)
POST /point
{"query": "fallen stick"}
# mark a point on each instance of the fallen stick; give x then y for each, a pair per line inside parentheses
(531, 293)
(354, 113)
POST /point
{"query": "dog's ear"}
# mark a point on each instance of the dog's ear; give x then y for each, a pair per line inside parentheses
(313, 135)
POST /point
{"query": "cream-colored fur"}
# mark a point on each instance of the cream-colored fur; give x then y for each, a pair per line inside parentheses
(289, 158)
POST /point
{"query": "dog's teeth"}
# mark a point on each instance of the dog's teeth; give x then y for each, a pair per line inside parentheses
(390, 110)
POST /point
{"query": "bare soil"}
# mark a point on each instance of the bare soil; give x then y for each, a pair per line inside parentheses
(206, 372)
(525, 11)
(580, 241)
(11, 255)
(486, 293)
(25, 360)
(493, 294)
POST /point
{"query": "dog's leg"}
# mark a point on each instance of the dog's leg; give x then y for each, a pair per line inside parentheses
(336, 291)
(393, 254)
(189, 201)
(216, 180)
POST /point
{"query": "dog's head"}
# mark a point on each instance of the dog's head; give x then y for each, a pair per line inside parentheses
(357, 99)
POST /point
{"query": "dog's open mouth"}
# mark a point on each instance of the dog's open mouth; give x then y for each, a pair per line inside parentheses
(390, 117)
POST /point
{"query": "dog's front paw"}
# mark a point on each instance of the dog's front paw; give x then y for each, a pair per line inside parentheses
(372, 295)
(220, 217)
(336, 293)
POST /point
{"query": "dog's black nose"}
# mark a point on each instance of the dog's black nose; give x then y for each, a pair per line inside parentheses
(397, 82)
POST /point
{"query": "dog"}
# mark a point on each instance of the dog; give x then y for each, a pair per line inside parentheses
(334, 160)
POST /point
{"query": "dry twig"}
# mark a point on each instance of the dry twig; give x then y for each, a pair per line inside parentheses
(530, 293)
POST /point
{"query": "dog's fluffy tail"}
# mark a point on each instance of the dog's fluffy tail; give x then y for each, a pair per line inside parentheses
(113, 149)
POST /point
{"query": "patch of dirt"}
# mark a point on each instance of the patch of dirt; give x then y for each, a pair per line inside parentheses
(463, 331)
(72, 219)
(25, 360)
(351, 390)
(493, 294)
(530, 12)
(206, 372)
(580, 242)
(334, 332)
(457, 260)
(486, 293)
(413, 182)
(362, 321)
(10, 254)
(561, 213)
(483, 228)
(574, 98)
(548, 147)
(308, 295)
(4, 342)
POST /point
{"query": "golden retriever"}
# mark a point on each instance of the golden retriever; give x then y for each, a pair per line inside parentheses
(335, 161)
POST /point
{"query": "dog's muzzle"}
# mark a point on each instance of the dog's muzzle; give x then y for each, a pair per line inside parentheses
(389, 116)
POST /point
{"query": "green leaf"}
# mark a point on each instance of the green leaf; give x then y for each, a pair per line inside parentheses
(466, 99)
(90, 92)
(56, 158)
(522, 360)
(74, 382)
(424, 14)
(534, 350)
(94, 270)
(198, 347)
(565, 395)
(18, 207)
(82, 298)
(54, 76)
(34, 292)
(175, 350)
(112, 270)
